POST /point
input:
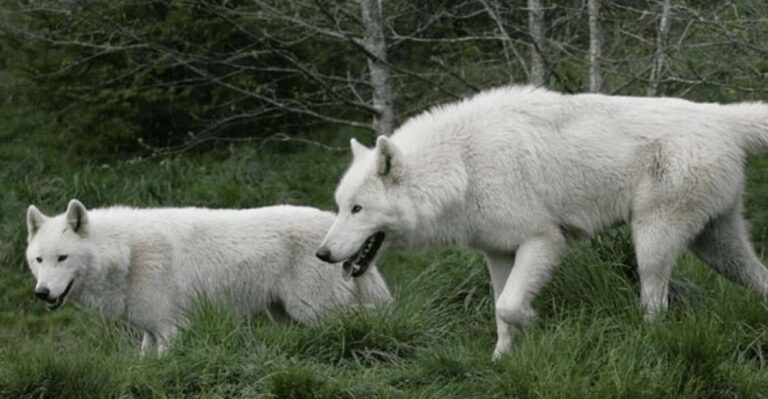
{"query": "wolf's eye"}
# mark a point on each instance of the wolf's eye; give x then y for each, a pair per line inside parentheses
(356, 209)
(62, 258)
(39, 259)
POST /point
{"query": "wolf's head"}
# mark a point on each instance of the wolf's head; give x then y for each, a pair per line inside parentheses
(56, 252)
(370, 200)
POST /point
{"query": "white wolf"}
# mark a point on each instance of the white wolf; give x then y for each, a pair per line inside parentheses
(147, 266)
(511, 170)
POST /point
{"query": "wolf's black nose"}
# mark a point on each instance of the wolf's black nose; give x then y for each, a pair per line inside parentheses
(42, 293)
(324, 254)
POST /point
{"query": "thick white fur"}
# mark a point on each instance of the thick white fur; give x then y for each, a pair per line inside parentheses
(148, 266)
(511, 170)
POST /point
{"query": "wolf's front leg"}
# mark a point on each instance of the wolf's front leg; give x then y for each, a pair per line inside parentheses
(534, 262)
(499, 266)
(165, 337)
(148, 343)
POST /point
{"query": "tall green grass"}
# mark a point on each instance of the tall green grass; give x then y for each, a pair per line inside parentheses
(433, 341)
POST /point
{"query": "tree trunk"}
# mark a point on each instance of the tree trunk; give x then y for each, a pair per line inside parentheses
(595, 48)
(660, 57)
(536, 28)
(375, 44)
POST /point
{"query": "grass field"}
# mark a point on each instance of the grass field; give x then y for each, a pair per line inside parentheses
(434, 341)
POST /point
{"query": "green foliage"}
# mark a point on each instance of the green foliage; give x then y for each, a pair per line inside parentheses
(44, 372)
(124, 77)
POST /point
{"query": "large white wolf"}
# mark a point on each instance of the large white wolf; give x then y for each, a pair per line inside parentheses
(147, 266)
(511, 170)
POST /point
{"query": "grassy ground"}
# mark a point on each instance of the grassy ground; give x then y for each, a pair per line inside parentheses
(434, 341)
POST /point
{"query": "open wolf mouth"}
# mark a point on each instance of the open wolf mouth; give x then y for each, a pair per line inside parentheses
(56, 303)
(358, 264)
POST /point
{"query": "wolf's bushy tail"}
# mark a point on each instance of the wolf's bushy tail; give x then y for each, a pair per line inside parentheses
(752, 122)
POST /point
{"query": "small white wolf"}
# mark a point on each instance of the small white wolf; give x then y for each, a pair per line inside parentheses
(511, 170)
(148, 266)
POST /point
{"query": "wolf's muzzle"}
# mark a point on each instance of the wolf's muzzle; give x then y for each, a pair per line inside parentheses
(42, 293)
(324, 254)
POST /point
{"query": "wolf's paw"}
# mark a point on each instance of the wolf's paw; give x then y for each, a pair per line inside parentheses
(498, 353)
(502, 348)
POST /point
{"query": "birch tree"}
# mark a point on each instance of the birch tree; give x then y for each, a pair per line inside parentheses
(536, 30)
(595, 47)
(660, 55)
(376, 46)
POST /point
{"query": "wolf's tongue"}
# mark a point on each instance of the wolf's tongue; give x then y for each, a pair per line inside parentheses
(347, 269)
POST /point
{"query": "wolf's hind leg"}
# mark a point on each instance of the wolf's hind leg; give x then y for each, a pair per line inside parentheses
(164, 338)
(306, 311)
(499, 266)
(659, 239)
(276, 312)
(724, 246)
(534, 263)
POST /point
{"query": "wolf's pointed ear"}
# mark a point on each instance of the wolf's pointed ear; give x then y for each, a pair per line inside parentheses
(35, 219)
(390, 159)
(77, 216)
(358, 150)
